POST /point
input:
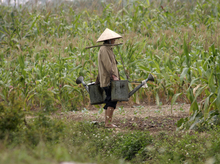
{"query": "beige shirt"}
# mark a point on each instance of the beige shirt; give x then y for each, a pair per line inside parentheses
(107, 65)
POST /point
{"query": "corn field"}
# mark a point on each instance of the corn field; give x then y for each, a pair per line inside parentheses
(42, 51)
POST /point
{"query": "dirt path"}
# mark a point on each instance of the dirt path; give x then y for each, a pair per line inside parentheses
(140, 117)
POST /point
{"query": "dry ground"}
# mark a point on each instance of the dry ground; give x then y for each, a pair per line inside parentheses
(139, 117)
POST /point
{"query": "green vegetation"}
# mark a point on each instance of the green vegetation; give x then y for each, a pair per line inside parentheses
(47, 140)
(42, 52)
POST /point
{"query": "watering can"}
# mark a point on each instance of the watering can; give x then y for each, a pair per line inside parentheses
(119, 90)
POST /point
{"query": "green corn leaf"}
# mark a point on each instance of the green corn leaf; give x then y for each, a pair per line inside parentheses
(2, 32)
(192, 117)
(186, 50)
(6, 31)
(194, 81)
(144, 68)
(194, 105)
(14, 39)
(2, 96)
(199, 91)
(165, 75)
(196, 123)
(211, 82)
(184, 73)
(30, 96)
(218, 99)
(206, 105)
(174, 100)
(119, 3)
(148, 2)
(157, 99)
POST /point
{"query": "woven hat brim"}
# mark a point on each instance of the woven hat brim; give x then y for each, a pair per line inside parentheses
(108, 35)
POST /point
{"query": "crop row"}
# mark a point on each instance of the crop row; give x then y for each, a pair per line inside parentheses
(42, 52)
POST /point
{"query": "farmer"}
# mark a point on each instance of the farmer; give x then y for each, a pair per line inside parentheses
(107, 66)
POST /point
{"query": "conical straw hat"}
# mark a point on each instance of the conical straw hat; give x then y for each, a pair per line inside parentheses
(107, 35)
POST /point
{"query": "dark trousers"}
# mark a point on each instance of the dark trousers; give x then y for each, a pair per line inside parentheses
(108, 101)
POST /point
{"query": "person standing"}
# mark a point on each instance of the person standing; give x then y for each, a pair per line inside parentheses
(107, 71)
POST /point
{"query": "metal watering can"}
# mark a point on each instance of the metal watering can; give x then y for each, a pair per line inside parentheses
(119, 90)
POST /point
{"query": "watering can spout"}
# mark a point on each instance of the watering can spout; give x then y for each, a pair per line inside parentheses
(150, 78)
(80, 80)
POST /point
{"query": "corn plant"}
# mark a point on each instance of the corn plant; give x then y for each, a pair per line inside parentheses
(42, 51)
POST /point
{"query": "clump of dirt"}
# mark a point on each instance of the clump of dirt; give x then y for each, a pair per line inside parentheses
(141, 117)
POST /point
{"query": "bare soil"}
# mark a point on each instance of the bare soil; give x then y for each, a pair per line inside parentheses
(138, 117)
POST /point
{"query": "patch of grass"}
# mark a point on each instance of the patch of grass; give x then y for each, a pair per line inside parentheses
(54, 140)
(189, 147)
(130, 145)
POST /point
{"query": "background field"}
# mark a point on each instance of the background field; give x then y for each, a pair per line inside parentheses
(42, 52)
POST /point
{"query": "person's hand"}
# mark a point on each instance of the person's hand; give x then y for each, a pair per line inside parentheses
(115, 77)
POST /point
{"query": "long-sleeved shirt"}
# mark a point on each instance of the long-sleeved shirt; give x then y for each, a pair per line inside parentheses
(107, 65)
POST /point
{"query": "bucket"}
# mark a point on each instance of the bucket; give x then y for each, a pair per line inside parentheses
(96, 93)
(119, 90)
